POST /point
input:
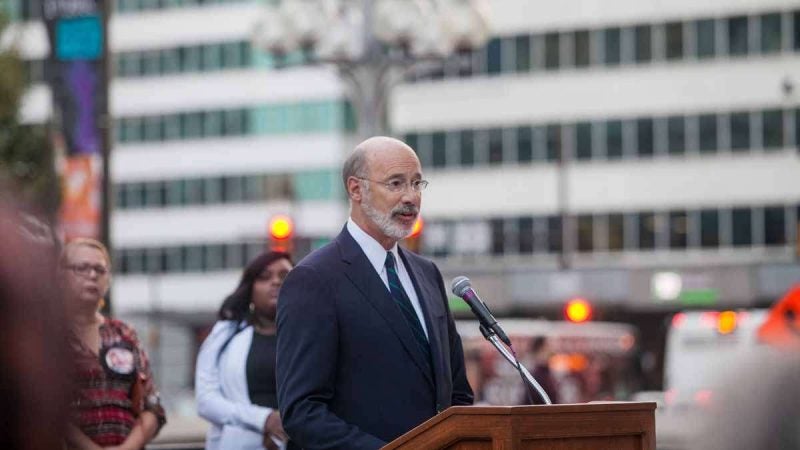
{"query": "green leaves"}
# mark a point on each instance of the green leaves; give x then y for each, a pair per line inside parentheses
(26, 155)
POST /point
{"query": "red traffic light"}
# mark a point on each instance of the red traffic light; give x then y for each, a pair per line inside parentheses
(578, 310)
(418, 226)
(281, 227)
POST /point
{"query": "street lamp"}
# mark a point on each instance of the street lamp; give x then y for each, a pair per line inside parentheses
(373, 43)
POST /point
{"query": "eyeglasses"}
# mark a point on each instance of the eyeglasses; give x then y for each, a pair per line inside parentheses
(398, 185)
(85, 270)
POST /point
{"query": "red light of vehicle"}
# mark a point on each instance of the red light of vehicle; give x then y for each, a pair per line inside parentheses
(281, 227)
(703, 398)
(726, 322)
(670, 395)
(678, 320)
(709, 318)
(578, 310)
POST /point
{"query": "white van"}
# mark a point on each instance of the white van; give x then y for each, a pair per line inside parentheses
(701, 347)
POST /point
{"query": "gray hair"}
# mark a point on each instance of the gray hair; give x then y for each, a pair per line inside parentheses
(355, 165)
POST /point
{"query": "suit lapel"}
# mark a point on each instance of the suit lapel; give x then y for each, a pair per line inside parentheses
(363, 276)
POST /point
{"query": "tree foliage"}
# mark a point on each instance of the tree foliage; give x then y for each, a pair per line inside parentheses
(26, 154)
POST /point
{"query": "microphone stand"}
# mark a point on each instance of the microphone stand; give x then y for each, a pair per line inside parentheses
(531, 382)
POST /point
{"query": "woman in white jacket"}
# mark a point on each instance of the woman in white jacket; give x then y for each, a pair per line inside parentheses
(235, 374)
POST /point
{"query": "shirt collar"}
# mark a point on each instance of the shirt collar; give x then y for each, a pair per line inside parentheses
(375, 252)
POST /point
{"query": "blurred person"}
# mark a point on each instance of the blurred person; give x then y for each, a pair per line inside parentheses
(235, 375)
(540, 352)
(115, 403)
(475, 373)
(34, 363)
(367, 346)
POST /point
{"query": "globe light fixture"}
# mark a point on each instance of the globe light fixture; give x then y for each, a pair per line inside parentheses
(372, 43)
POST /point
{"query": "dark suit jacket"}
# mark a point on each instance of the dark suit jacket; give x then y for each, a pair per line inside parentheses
(350, 375)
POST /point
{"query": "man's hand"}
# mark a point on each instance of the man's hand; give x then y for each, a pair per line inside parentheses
(274, 427)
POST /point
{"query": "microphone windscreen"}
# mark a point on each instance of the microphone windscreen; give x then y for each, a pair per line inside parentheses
(460, 285)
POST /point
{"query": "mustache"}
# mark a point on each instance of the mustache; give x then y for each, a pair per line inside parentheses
(405, 209)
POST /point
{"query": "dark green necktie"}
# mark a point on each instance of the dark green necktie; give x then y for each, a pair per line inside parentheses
(401, 298)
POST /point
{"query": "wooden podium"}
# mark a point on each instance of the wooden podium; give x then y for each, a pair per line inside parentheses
(587, 426)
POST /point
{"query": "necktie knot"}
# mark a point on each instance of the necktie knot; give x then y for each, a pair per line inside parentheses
(389, 260)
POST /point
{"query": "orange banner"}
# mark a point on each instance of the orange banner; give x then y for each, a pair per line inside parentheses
(80, 205)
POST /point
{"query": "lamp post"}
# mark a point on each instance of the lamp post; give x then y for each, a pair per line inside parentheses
(372, 43)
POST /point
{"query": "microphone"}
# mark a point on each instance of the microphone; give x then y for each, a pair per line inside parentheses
(462, 287)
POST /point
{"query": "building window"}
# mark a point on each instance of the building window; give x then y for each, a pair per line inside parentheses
(495, 146)
(706, 38)
(155, 260)
(234, 256)
(585, 233)
(190, 59)
(522, 53)
(678, 229)
(467, 148)
(551, 51)
(614, 139)
(232, 189)
(214, 257)
(193, 258)
(554, 233)
(742, 227)
(439, 150)
(771, 33)
(709, 228)
(494, 62)
(583, 141)
(525, 235)
(676, 135)
(772, 128)
(674, 40)
(647, 231)
(740, 131)
(796, 26)
(644, 43)
(612, 46)
(644, 137)
(554, 149)
(582, 48)
(498, 236)
(524, 144)
(192, 125)
(616, 232)
(153, 130)
(774, 225)
(707, 125)
(737, 36)
(193, 192)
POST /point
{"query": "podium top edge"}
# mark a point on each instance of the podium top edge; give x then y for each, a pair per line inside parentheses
(547, 409)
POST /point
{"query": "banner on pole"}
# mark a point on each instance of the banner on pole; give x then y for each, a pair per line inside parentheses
(76, 73)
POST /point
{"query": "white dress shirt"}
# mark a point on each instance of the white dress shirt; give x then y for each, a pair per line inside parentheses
(376, 255)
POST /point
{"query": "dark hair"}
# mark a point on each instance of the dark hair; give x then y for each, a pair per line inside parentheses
(537, 344)
(237, 305)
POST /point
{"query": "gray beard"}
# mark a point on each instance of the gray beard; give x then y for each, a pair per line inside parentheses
(384, 221)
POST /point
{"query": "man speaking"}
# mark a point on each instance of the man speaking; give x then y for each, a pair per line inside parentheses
(367, 346)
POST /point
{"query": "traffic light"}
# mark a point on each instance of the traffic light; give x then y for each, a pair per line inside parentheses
(578, 310)
(281, 231)
(412, 242)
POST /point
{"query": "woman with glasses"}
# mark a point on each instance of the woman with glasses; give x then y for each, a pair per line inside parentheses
(235, 376)
(115, 403)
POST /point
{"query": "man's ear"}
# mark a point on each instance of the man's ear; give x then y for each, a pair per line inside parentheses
(354, 189)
